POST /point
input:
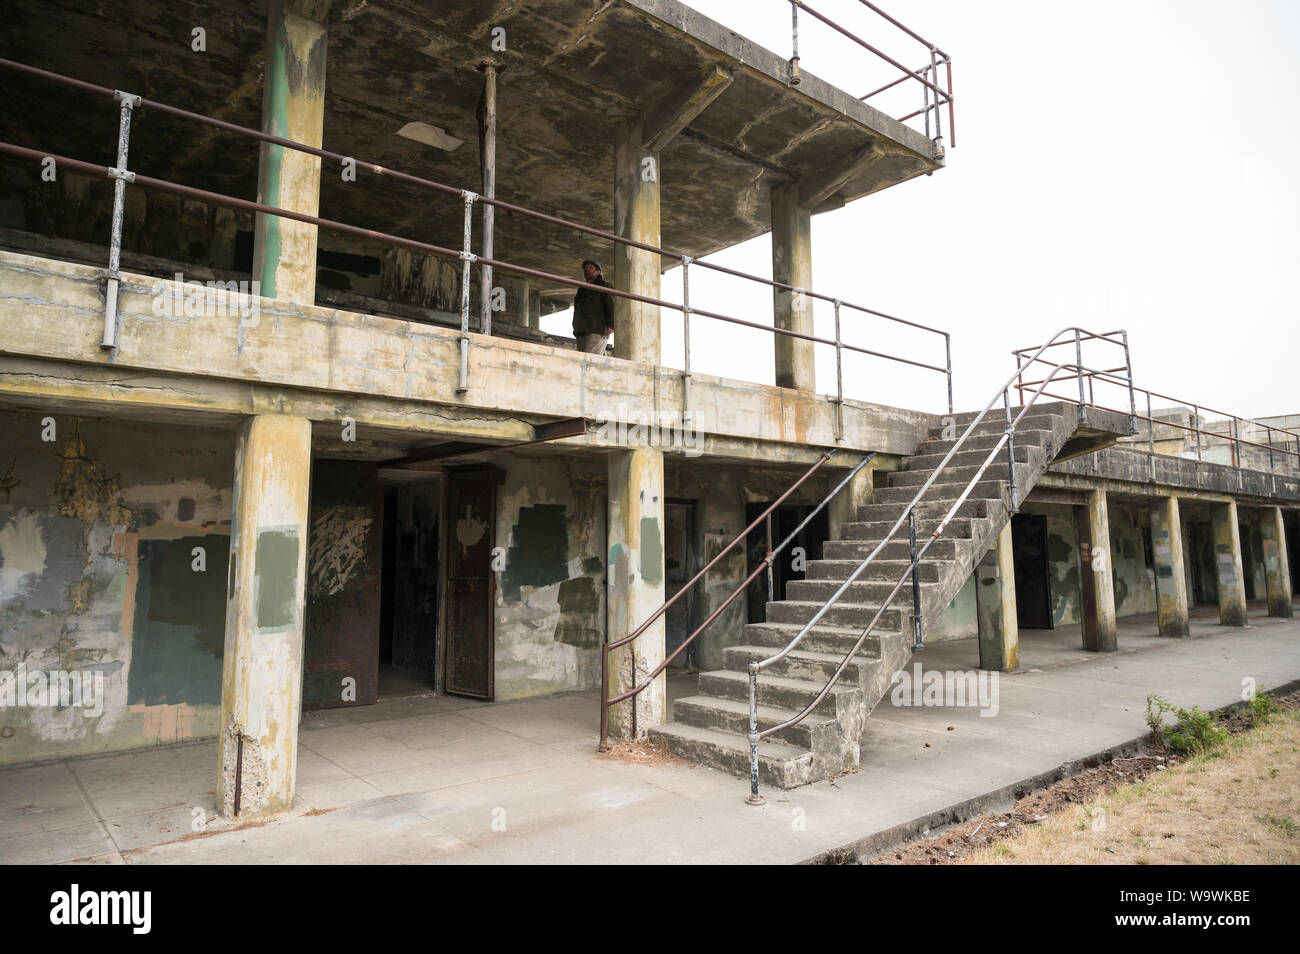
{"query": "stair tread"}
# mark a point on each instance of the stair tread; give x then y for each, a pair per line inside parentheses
(779, 682)
(767, 749)
(809, 654)
(766, 713)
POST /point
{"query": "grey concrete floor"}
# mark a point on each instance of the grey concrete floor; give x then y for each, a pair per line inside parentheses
(440, 779)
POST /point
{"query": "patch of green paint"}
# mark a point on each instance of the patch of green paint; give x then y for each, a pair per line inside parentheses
(276, 578)
(179, 628)
(579, 613)
(539, 553)
(652, 551)
(592, 565)
(277, 102)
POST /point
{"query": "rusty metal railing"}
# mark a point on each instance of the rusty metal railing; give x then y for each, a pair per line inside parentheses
(122, 176)
(927, 78)
(764, 566)
(1286, 453)
(1078, 371)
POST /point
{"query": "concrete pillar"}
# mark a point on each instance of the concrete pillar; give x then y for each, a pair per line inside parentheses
(636, 217)
(1097, 584)
(1277, 563)
(1171, 575)
(261, 676)
(535, 310)
(635, 582)
(995, 597)
(1227, 556)
(792, 265)
(518, 300)
(844, 508)
(293, 107)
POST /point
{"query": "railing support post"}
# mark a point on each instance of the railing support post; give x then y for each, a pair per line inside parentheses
(1196, 423)
(1151, 438)
(754, 797)
(839, 377)
(1132, 402)
(1078, 367)
(686, 339)
(604, 698)
(794, 44)
(467, 259)
(917, 642)
(947, 350)
(121, 176)
(771, 586)
(1011, 449)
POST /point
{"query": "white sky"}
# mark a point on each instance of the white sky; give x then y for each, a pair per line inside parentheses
(1118, 165)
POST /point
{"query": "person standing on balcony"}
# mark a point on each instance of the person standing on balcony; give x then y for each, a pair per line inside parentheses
(593, 311)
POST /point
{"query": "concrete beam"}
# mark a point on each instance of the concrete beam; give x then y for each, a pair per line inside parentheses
(1277, 563)
(636, 217)
(793, 311)
(1227, 557)
(816, 189)
(293, 107)
(662, 122)
(1171, 574)
(1097, 584)
(995, 598)
(635, 585)
(261, 676)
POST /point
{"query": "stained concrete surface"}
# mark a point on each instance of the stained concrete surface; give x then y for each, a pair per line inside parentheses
(440, 779)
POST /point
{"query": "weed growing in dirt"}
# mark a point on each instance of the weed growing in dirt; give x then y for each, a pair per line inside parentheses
(1192, 731)
(1262, 708)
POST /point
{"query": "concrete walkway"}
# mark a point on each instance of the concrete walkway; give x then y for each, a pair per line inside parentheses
(439, 779)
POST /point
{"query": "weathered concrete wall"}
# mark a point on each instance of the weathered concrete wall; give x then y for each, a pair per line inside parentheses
(1135, 581)
(550, 598)
(960, 619)
(98, 573)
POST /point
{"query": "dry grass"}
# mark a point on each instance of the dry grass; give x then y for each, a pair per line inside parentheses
(1238, 804)
(642, 753)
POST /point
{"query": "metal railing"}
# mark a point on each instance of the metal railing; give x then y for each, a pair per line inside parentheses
(1077, 370)
(1282, 455)
(927, 77)
(764, 566)
(122, 176)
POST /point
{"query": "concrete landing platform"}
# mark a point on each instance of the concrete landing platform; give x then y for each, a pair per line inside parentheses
(438, 779)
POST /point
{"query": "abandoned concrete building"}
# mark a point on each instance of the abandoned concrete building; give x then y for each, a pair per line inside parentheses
(280, 428)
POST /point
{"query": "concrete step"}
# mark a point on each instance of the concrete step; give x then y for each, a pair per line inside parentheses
(820, 639)
(945, 548)
(877, 569)
(732, 717)
(873, 531)
(843, 702)
(1028, 449)
(780, 765)
(962, 475)
(990, 489)
(936, 447)
(803, 664)
(995, 422)
(887, 513)
(863, 592)
(841, 614)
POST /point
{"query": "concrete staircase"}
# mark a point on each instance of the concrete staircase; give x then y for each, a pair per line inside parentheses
(710, 727)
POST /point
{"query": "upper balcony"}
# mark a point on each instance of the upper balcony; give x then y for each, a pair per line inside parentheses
(447, 164)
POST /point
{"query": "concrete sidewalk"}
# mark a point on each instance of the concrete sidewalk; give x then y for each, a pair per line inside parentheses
(439, 779)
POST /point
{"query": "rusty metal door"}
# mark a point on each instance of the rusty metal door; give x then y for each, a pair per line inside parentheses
(471, 583)
(341, 626)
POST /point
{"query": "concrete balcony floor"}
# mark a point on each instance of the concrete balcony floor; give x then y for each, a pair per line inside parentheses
(424, 778)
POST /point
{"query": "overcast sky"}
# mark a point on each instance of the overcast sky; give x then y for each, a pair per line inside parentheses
(1118, 165)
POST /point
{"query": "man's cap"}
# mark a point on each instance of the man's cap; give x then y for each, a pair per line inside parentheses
(592, 261)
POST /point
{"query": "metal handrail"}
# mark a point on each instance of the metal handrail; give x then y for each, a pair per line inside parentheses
(766, 564)
(465, 254)
(755, 736)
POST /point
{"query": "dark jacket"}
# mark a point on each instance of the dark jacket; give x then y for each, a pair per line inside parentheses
(593, 311)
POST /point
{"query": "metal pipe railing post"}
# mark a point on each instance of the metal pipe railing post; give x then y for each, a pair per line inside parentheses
(947, 350)
(1011, 448)
(1078, 366)
(839, 377)
(1268, 431)
(938, 108)
(121, 176)
(916, 583)
(1132, 403)
(467, 258)
(794, 44)
(604, 698)
(925, 98)
(952, 123)
(686, 338)
(1151, 438)
(1196, 423)
(771, 592)
(754, 797)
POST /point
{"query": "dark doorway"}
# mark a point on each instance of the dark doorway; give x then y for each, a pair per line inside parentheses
(679, 567)
(789, 564)
(408, 628)
(471, 583)
(1205, 572)
(1029, 554)
(1291, 528)
(341, 623)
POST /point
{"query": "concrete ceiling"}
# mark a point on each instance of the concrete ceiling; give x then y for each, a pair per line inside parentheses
(573, 70)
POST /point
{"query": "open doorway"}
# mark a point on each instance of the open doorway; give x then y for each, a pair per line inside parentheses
(409, 594)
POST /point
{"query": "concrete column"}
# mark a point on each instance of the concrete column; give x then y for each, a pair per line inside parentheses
(1277, 563)
(792, 265)
(518, 300)
(261, 676)
(995, 597)
(636, 217)
(844, 508)
(1171, 575)
(293, 107)
(535, 310)
(635, 582)
(1227, 556)
(1097, 584)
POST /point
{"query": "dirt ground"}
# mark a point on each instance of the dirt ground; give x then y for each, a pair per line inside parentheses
(1157, 808)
